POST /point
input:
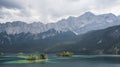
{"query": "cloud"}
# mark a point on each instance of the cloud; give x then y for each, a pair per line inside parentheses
(10, 4)
(107, 2)
(53, 10)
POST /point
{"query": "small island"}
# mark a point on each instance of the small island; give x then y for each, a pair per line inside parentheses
(42, 56)
(65, 54)
(33, 57)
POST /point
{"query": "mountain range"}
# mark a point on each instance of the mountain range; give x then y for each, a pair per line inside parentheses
(78, 25)
(85, 34)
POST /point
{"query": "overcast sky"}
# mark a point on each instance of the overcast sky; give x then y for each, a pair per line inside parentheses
(48, 11)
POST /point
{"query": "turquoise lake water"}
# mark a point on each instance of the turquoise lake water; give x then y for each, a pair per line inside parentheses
(54, 61)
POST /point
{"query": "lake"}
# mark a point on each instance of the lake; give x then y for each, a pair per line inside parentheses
(54, 61)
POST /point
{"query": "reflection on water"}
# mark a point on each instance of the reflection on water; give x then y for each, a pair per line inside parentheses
(54, 61)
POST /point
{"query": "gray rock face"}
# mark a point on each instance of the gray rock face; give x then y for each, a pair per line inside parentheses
(78, 25)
